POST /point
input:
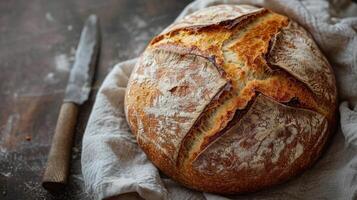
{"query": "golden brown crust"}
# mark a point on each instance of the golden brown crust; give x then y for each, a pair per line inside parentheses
(224, 15)
(168, 92)
(294, 51)
(266, 146)
(232, 99)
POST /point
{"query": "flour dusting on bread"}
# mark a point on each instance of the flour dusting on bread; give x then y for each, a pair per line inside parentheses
(232, 99)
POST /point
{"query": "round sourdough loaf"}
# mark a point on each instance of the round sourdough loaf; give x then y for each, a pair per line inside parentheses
(232, 99)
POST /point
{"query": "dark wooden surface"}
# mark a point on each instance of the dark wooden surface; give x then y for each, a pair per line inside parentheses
(37, 44)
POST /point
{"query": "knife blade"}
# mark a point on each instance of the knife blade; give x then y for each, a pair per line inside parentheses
(81, 75)
(77, 92)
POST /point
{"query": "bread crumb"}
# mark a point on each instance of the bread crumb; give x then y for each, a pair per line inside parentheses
(28, 138)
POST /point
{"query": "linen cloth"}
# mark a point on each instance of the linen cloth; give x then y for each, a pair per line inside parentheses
(114, 165)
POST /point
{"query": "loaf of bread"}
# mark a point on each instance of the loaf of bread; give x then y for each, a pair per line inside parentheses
(232, 99)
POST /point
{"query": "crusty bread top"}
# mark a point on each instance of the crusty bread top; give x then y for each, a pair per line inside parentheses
(213, 16)
(231, 84)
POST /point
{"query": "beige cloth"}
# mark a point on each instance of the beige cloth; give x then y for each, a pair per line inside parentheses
(113, 164)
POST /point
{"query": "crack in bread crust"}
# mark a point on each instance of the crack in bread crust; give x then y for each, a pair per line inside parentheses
(163, 115)
(245, 66)
(293, 50)
(221, 15)
(258, 143)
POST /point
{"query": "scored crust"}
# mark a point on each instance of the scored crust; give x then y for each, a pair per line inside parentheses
(232, 99)
(294, 50)
(170, 93)
(269, 143)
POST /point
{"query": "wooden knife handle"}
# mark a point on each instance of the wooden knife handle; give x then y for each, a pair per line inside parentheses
(56, 173)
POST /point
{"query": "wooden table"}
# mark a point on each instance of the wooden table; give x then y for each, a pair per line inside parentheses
(37, 44)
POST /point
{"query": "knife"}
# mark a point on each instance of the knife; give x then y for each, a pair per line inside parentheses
(77, 92)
